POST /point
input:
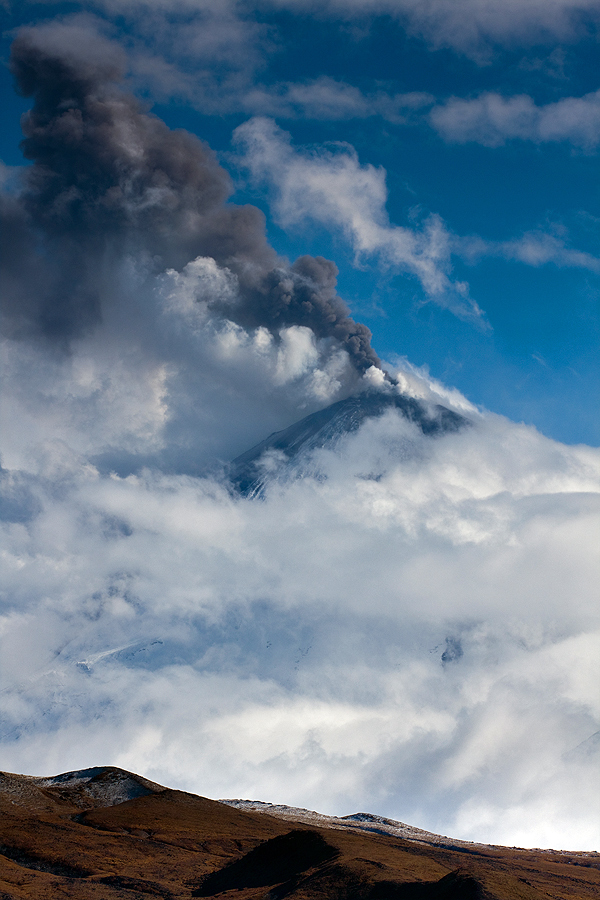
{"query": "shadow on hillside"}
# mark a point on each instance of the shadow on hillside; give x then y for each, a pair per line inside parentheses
(278, 860)
(304, 858)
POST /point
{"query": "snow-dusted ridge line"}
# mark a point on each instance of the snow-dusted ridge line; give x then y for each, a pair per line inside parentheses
(380, 825)
(106, 786)
(356, 821)
(100, 786)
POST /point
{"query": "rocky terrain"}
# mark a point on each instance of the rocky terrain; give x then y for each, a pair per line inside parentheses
(105, 833)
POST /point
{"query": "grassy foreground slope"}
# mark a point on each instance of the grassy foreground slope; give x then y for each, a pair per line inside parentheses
(105, 833)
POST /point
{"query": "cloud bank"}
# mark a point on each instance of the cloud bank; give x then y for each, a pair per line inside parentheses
(409, 628)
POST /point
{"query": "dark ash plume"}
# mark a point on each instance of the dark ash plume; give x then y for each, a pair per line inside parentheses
(304, 294)
(110, 179)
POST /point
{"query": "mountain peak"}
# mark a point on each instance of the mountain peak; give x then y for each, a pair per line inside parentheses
(250, 472)
(93, 788)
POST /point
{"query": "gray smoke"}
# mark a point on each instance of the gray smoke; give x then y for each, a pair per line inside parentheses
(109, 179)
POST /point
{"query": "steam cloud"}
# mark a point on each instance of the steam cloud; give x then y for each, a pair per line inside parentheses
(109, 179)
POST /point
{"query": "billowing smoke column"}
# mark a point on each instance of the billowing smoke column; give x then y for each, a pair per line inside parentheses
(110, 179)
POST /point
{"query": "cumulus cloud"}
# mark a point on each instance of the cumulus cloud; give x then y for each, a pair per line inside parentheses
(331, 186)
(492, 119)
(294, 648)
(164, 382)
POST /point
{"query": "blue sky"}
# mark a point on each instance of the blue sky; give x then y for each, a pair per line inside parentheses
(396, 88)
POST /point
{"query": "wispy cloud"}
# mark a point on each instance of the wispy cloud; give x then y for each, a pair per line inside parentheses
(240, 89)
(330, 186)
(492, 120)
(469, 26)
(534, 248)
(474, 27)
(328, 98)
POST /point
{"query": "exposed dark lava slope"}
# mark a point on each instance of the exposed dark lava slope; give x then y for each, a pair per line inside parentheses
(104, 834)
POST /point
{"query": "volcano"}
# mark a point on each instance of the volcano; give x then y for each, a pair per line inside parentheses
(251, 471)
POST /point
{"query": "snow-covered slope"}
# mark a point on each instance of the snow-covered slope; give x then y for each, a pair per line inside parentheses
(358, 821)
(250, 471)
(367, 822)
(93, 788)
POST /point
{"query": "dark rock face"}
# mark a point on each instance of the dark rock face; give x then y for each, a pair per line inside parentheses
(249, 475)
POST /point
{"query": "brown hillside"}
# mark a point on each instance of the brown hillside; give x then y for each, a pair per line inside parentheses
(105, 833)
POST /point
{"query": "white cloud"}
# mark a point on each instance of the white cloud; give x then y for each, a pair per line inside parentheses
(162, 378)
(470, 26)
(492, 119)
(285, 649)
(213, 57)
(534, 248)
(330, 186)
(417, 382)
(291, 648)
(331, 99)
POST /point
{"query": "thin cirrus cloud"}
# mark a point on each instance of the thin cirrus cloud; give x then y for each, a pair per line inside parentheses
(472, 27)
(464, 25)
(534, 248)
(240, 89)
(331, 99)
(492, 120)
(324, 98)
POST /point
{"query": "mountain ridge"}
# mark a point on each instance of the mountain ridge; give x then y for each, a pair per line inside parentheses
(105, 833)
